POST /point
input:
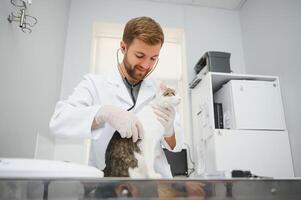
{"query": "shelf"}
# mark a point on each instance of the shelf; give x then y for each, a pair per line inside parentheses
(257, 150)
(255, 131)
(219, 79)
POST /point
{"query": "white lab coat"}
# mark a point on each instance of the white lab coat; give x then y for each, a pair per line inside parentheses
(73, 117)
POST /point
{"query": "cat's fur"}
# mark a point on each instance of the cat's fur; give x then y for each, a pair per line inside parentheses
(125, 158)
(120, 157)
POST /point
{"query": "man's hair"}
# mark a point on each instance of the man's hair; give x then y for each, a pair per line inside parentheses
(145, 29)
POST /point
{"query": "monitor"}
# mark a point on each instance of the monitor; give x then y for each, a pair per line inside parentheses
(177, 162)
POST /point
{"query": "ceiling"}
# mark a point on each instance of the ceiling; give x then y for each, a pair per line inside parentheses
(223, 4)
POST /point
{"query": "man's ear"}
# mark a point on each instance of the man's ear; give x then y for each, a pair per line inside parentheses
(122, 47)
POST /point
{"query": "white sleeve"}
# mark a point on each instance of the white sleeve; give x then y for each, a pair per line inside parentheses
(73, 117)
(179, 136)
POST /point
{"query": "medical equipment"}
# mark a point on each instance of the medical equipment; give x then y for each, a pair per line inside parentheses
(26, 22)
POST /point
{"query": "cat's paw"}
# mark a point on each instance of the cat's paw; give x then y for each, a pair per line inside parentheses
(154, 175)
(134, 173)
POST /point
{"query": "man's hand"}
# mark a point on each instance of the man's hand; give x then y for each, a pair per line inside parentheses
(126, 123)
(166, 116)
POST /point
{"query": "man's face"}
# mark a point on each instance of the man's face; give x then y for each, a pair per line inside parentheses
(140, 58)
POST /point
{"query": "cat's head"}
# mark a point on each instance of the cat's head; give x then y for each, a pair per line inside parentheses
(166, 97)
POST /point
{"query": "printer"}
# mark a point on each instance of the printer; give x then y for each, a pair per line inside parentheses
(214, 61)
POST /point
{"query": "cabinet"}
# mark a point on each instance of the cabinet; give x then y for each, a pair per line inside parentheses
(265, 152)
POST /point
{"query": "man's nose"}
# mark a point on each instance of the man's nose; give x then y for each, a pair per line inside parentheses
(145, 64)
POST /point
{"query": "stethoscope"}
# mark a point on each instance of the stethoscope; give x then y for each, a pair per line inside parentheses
(127, 81)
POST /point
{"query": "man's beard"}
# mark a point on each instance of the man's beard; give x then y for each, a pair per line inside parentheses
(132, 71)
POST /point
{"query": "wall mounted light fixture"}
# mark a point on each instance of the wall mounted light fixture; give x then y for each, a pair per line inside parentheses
(26, 22)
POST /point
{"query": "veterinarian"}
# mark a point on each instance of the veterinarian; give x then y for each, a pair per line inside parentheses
(101, 104)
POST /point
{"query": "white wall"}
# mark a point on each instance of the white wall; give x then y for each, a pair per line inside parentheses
(206, 29)
(271, 31)
(30, 76)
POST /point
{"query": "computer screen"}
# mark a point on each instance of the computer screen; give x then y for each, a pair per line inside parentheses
(177, 162)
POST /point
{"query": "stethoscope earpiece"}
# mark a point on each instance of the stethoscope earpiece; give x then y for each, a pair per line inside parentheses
(122, 49)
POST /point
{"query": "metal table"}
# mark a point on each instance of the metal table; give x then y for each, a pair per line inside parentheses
(125, 188)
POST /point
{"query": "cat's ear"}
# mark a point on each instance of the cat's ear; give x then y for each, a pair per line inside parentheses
(163, 86)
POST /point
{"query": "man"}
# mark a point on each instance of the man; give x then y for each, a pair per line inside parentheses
(101, 104)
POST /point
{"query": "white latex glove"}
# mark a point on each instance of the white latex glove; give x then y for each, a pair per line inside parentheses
(166, 116)
(126, 123)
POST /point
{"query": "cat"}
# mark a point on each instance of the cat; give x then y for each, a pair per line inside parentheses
(124, 158)
(153, 134)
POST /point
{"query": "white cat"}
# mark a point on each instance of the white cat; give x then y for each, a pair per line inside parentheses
(150, 145)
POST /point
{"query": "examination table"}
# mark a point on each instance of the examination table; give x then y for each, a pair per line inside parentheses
(87, 183)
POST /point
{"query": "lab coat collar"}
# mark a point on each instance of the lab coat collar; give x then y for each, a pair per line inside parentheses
(147, 88)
